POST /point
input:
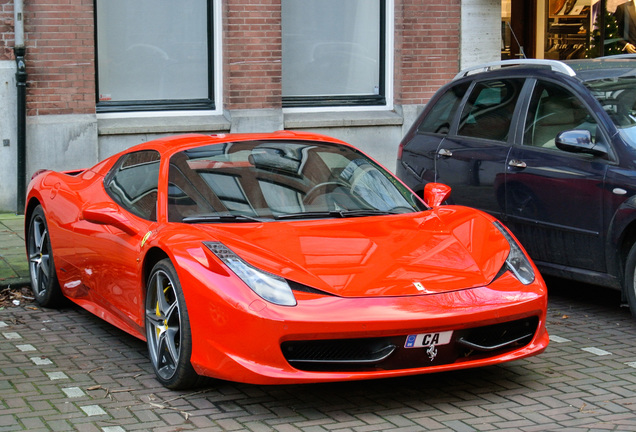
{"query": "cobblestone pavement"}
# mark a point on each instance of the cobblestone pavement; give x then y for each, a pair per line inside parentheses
(14, 268)
(68, 370)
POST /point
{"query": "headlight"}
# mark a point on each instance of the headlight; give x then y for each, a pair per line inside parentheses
(517, 262)
(270, 287)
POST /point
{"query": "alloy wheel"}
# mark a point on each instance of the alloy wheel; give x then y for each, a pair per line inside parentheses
(163, 324)
(39, 256)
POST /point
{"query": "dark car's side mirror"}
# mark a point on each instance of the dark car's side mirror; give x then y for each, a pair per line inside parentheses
(578, 141)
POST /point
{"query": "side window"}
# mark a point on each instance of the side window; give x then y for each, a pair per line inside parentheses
(133, 183)
(552, 110)
(489, 109)
(440, 117)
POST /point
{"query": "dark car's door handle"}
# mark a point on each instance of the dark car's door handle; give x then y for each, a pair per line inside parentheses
(445, 153)
(516, 163)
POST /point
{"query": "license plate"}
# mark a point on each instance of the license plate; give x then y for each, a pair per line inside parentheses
(423, 340)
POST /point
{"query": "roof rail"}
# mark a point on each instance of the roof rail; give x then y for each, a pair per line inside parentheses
(555, 65)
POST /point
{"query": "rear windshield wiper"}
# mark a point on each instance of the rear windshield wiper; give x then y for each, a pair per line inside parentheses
(220, 218)
(335, 214)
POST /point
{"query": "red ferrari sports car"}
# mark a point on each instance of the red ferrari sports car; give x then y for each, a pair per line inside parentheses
(281, 258)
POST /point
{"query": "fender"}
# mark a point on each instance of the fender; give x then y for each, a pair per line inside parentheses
(618, 233)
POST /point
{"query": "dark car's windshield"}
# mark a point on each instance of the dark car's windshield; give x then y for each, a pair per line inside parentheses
(270, 180)
(618, 98)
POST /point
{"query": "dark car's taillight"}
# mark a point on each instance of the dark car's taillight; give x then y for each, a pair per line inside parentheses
(400, 150)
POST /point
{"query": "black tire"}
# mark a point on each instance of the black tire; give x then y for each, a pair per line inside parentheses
(44, 282)
(630, 280)
(168, 329)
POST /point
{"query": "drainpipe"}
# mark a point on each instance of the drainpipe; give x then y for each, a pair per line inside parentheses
(21, 79)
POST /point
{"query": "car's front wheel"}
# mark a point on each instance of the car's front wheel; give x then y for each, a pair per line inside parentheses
(168, 328)
(44, 282)
(630, 280)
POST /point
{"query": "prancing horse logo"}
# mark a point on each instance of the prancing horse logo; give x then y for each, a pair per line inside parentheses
(432, 352)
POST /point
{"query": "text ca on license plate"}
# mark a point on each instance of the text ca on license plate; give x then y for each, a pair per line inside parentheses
(427, 339)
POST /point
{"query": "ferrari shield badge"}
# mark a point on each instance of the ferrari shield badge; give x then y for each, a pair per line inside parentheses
(146, 237)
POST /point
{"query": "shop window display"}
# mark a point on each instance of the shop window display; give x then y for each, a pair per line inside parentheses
(568, 29)
(626, 22)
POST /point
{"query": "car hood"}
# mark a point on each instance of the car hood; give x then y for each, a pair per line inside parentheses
(446, 249)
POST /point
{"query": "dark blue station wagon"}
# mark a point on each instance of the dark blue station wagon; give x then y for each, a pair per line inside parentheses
(549, 148)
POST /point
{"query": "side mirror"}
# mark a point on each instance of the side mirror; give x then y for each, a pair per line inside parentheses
(436, 193)
(578, 141)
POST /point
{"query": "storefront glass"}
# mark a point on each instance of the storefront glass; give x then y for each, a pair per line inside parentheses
(567, 29)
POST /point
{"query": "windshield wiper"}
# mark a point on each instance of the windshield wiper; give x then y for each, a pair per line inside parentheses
(335, 214)
(220, 218)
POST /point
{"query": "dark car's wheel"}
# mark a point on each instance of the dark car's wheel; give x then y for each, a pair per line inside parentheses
(630, 280)
(168, 328)
(44, 282)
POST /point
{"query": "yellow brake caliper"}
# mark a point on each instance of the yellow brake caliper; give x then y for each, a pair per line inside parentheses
(165, 320)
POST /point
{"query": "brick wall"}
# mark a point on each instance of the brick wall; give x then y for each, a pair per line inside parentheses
(252, 54)
(6, 29)
(60, 57)
(427, 47)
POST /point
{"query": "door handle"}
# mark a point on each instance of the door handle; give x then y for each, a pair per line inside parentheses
(516, 163)
(445, 153)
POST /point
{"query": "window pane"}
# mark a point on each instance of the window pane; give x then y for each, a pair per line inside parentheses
(133, 183)
(230, 191)
(441, 115)
(152, 50)
(372, 187)
(281, 198)
(489, 109)
(275, 179)
(331, 47)
(553, 110)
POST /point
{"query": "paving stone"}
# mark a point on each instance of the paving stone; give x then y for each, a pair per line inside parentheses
(563, 388)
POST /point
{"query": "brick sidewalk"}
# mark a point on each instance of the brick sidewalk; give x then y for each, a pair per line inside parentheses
(14, 268)
(68, 370)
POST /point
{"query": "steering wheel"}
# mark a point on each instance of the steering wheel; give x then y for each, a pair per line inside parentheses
(317, 190)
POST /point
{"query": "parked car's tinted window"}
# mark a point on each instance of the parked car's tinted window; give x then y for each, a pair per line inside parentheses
(488, 112)
(133, 183)
(553, 110)
(441, 114)
(618, 99)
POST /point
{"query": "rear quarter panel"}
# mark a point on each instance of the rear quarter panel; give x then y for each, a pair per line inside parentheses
(61, 197)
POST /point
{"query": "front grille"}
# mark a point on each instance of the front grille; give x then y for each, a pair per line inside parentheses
(499, 336)
(389, 353)
(342, 353)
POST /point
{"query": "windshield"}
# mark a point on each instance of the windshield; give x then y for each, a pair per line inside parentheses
(618, 98)
(268, 180)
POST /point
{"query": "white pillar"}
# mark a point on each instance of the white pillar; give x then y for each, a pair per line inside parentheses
(480, 37)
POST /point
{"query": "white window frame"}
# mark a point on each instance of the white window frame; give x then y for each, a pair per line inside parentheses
(216, 106)
(389, 61)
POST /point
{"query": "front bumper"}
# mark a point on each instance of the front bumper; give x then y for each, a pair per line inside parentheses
(258, 342)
